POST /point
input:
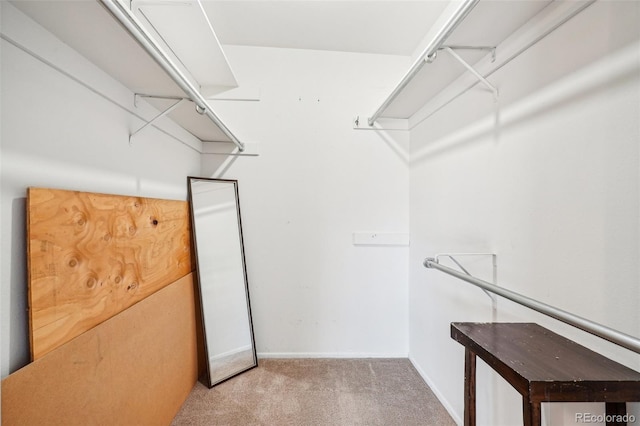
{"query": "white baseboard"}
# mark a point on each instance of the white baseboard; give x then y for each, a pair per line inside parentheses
(344, 355)
(455, 415)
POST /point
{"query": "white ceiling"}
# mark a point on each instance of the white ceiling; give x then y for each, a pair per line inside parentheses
(383, 27)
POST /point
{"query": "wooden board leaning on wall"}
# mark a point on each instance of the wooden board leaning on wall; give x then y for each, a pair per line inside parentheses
(91, 256)
(136, 368)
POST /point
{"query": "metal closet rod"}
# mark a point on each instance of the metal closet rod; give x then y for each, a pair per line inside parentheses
(625, 340)
(133, 26)
(428, 54)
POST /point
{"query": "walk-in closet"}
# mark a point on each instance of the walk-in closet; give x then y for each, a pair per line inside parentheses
(320, 212)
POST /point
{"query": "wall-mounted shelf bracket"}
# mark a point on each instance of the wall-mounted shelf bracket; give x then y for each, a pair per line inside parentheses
(361, 123)
(490, 49)
(229, 149)
(177, 102)
(428, 55)
(472, 70)
(137, 96)
(135, 28)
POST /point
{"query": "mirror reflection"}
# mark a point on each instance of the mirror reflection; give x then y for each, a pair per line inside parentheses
(224, 294)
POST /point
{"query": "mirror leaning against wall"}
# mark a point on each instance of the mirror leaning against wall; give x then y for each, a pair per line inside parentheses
(222, 278)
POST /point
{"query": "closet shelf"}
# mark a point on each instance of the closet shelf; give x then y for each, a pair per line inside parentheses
(127, 45)
(473, 28)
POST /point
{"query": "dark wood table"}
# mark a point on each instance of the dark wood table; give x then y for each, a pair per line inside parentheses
(544, 367)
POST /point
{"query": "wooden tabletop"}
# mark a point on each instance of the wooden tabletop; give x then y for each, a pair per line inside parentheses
(547, 366)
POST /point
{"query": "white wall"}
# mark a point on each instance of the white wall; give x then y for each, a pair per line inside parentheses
(548, 179)
(58, 133)
(315, 183)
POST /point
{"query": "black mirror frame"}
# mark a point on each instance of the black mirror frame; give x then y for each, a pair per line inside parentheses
(207, 380)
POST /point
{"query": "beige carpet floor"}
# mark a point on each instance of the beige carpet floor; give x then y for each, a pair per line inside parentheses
(318, 392)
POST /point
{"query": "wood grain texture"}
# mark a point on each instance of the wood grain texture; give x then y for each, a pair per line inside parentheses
(543, 367)
(91, 256)
(136, 368)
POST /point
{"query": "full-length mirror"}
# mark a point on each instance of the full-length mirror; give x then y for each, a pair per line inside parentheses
(222, 277)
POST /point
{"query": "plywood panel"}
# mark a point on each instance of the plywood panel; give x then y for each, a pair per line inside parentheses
(91, 256)
(136, 368)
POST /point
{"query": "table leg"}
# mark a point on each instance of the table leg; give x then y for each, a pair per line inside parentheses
(531, 412)
(469, 387)
(615, 409)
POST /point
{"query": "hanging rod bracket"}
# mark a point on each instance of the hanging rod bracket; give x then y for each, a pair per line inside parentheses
(428, 262)
(173, 106)
(472, 71)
